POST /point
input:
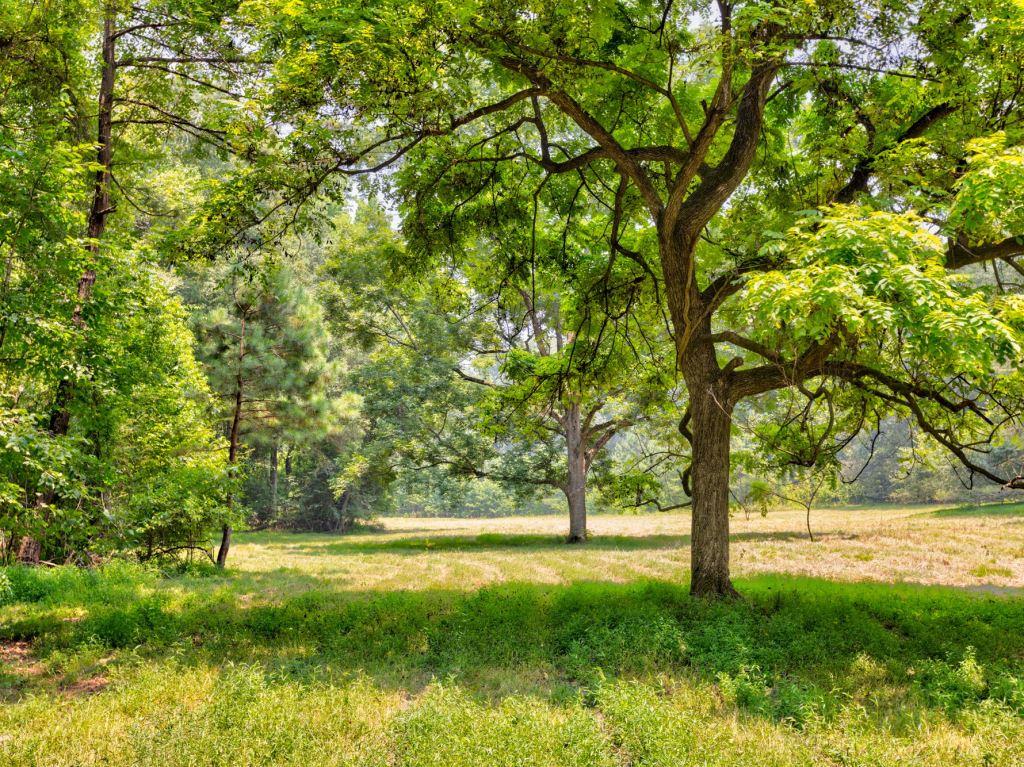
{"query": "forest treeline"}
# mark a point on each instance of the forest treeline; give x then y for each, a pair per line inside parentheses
(295, 264)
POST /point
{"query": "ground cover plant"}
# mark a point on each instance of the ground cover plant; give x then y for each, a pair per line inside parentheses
(319, 648)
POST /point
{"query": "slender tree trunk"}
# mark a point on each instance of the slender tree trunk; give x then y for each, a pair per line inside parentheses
(233, 438)
(30, 549)
(576, 487)
(710, 424)
(225, 546)
(343, 520)
(60, 417)
(273, 479)
(236, 418)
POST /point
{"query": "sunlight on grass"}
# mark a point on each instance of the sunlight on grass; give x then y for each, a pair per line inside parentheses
(984, 510)
(509, 648)
(918, 544)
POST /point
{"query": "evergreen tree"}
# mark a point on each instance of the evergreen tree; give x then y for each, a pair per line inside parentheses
(264, 346)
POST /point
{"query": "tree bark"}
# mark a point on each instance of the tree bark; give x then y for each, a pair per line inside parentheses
(343, 522)
(29, 551)
(225, 546)
(576, 487)
(710, 425)
(233, 438)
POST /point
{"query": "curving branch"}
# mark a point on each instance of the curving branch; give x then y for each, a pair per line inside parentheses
(864, 168)
(688, 214)
(960, 254)
(780, 373)
(626, 164)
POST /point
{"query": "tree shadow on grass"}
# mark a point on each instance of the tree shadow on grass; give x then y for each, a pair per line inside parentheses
(808, 638)
(510, 541)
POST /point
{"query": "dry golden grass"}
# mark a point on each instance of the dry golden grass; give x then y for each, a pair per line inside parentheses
(980, 548)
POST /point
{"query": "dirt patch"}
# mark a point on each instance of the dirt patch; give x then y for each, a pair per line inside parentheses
(17, 657)
(89, 686)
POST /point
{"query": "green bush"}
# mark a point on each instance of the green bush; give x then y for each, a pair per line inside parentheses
(774, 696)
(631, 646)
(1008, 688)
(449, 729)
(6, 588)
(117, 626)
(951, 684)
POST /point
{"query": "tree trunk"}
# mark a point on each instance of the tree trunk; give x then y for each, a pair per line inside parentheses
(30, 549)
(273, 480)
(233, 437)
(225, 546)
(576, 487)
(342, 521)
(710, 416)
(710, 424)
(60, 417)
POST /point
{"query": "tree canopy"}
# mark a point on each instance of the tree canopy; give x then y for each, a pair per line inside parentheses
(824, 195)
(634, 234)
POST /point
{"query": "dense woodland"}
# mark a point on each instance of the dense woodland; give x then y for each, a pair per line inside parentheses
(295, 265)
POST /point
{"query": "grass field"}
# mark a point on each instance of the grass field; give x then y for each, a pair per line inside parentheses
(896, 638)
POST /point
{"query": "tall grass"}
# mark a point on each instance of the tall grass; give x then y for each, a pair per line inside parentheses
(196, 670)
(445, 642)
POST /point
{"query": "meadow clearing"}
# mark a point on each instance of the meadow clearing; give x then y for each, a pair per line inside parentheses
(895, 638)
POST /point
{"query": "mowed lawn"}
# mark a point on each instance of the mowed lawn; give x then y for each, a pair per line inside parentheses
(895, 638)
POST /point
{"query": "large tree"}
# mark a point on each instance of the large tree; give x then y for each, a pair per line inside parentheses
(554, 376)
(102, 98)
(161, 67)
(814, 186)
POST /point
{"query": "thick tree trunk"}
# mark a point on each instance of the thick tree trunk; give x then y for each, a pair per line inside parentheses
(710, 416)
(29, 551)
(576, 487)
(710, 425)
(577, 515)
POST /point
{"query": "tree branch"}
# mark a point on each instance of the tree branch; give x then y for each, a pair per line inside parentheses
(960, 254)
(863, 170)
(589, 124)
